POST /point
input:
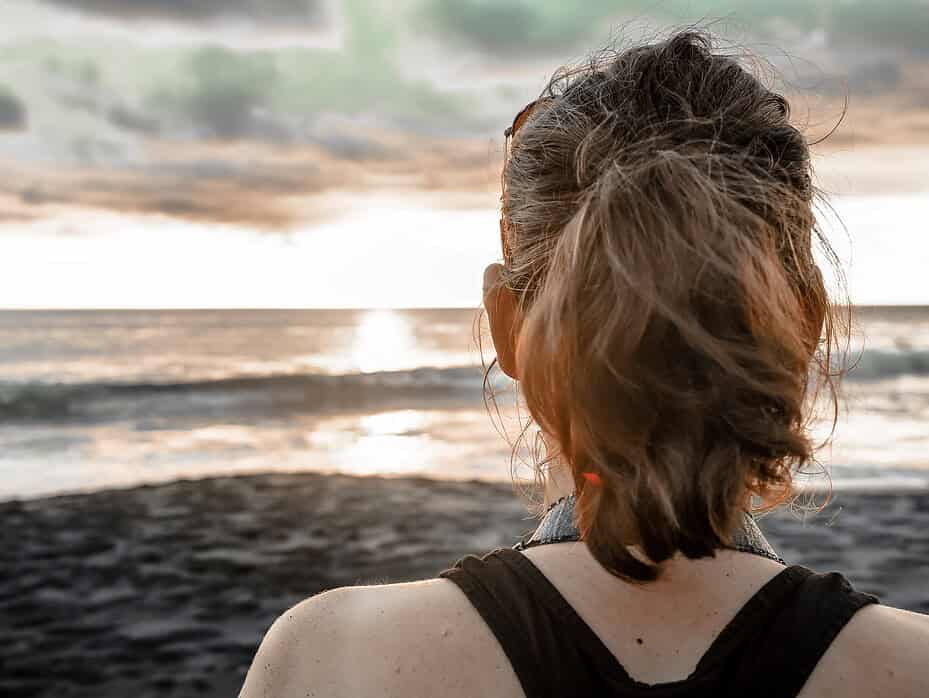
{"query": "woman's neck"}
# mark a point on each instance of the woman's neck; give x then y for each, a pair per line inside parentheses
(558, 482)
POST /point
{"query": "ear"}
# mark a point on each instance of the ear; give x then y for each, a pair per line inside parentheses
(504, 317)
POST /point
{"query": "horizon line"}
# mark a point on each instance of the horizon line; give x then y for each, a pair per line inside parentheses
(42, 309)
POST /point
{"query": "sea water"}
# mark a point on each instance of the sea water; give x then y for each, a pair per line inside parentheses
(97, 399)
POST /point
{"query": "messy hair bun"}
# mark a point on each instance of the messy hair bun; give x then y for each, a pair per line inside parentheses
(659, 209)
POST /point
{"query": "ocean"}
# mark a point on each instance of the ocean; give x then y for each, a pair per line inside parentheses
(100, 399)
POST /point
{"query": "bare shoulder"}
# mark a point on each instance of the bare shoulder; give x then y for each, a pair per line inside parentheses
(412, 639)
(882, 651)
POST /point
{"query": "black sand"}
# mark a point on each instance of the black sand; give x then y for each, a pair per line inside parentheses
(167, 590)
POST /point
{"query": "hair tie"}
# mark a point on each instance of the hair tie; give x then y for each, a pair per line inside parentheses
(593, 478)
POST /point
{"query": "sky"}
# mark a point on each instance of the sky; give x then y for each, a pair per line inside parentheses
(339, 153)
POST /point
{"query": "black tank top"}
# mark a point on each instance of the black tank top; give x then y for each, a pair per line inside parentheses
(768, 650)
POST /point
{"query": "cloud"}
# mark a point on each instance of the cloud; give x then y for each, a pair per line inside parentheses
(875, 78)
(214, 192)
(12, 112)
(415, 97)
(868, 78)
(233, 96)
(528, 27)
(903, 24)
(227, 96)
(273, 188)
(516, 26)
(311, 13)
(264, 186)
(128, 119)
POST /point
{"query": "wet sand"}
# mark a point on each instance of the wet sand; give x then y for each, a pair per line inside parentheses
(167, 590)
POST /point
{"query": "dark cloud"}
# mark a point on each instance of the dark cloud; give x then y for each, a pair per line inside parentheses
(231, 116)
(12, 112)
(285, 13)
(79, 101)
(130, 120)
(526, 27)
(353, 146)
(875, 78)
(496, 27)
(95, 151)
(864, 79)
(902, 25)
(228, 97)
(85, 72)
(512, 27)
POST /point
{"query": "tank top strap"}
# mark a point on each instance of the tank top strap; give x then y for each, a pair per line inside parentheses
(526, 633)
(799, 635)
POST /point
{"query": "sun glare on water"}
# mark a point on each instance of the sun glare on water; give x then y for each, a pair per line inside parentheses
(383, 341)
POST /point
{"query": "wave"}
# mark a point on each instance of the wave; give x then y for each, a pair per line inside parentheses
(882, 364)
(310, 392)
(280, 393)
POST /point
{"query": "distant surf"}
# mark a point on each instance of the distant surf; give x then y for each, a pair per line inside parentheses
(880, 364)
(302, 393)
(310, 392)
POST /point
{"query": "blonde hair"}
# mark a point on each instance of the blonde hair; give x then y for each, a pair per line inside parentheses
(660, 229)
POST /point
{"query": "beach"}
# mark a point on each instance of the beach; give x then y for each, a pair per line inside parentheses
(166, 590)
(245, 356)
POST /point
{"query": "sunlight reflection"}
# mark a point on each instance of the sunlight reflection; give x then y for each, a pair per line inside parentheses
(383, 342)
(398, 422)
(388, 453)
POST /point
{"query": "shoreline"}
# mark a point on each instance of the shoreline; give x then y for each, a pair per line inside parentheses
(893, 484)
(166, 589)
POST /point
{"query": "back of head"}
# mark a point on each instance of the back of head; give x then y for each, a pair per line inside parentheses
(659, 224)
